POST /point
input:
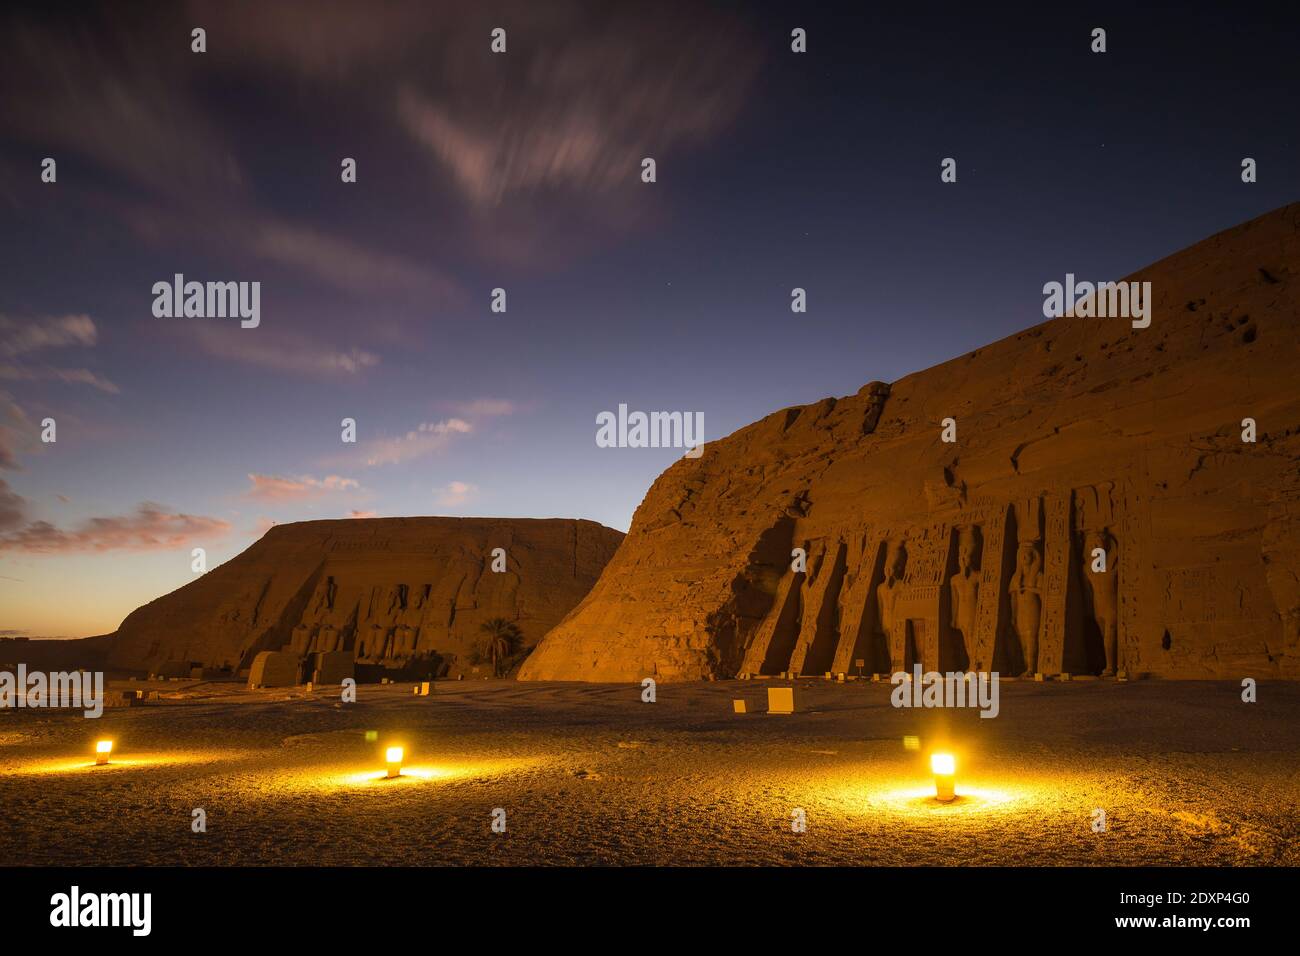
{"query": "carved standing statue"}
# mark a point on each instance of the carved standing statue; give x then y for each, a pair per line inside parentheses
(325, 592)
(372, 644)
(394, 601)
(422, 597)
(327, 639)
(886, 597)
(964, 589)
(300, 641)
(1026, 591)
(403, 643)
(1101, 583)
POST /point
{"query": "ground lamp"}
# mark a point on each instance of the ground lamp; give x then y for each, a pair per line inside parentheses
(945, 771)
(102, 749)
(393, 758)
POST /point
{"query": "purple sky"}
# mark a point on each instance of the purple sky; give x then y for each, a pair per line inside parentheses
(522, 171)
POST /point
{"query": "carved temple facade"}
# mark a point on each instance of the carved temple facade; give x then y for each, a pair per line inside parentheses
(1041, 585)
(1080, 497)
(384, 591)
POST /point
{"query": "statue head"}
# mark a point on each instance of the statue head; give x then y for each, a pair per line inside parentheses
(895, 560)
(966, 548)
(1100, 538)
(1028, 559)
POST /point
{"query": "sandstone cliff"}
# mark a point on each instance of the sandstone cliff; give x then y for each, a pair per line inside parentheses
(388, 589)
(1078, 437)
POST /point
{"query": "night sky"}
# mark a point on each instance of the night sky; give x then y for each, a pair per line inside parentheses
(522, 171)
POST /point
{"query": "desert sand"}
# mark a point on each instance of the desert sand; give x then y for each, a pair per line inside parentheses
(589, 774)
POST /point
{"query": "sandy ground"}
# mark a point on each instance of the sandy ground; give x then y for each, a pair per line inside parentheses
(589, 774)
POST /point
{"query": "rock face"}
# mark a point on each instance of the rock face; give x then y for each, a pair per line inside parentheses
(1098, 510)
(387, 589)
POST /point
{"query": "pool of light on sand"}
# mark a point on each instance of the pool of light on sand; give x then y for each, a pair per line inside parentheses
(116, 763)
(346, 776)
(878, 791)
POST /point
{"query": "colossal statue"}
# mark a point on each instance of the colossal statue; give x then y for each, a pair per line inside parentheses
(964, 588)
(325, 593)
(372, 644)
(300, 642)
(886, 597)
(1102, 589)
(403, 648)
(1026, 591)
(327, 639)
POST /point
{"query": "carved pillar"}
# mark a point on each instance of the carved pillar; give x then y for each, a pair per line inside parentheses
(988, 613)
(1133, 519)
(817, 629)
(1025, 589)
(1106, 521)
(1056, 582)
(784, 607)
(920, 599)
(858, 610)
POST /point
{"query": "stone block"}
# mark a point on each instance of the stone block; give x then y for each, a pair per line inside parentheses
(331, 668)
(273, 669)
(780, 700)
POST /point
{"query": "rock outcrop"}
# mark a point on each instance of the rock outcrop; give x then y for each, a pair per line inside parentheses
(388, 589)
(1099, 510)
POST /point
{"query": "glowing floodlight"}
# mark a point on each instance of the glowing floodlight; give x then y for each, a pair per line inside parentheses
(945, 771)
(102, 749)
(394, 760)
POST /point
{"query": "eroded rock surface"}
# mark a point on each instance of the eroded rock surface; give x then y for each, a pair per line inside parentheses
(1077, 436)
(387, 589)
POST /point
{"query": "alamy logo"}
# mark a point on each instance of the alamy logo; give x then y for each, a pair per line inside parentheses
(79, 690)
(74, 908)
(208, 300)
(1101, 300)
(654, 430)
(953, 689)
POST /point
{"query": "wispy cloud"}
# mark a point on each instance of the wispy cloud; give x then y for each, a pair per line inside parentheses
(552, 132)
(151, 527)
(49, 373)
(343, 38)
(586, 110)
(280, 488)
(454, 494)
(484, 407)
(12, 507)
(21, 338)
(425, 439)
(348, 265)
(282, 351)
(15, 431)
(121, 92)
(106, 91)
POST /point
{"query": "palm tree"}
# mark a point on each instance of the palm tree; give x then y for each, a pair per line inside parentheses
(502, 637)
